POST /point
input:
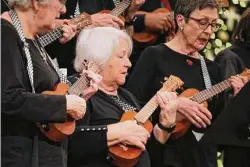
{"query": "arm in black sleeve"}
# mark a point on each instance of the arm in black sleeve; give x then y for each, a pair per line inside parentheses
(139, 22)
(87, 141)
(17, 99)
(140, 81)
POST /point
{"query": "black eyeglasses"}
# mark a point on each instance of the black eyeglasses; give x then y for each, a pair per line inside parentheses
(204, 24)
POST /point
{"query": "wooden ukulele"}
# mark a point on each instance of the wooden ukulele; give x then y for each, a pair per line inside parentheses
(59, 131)
(127, 156)
(81, 21)
(201, 97)
(149, 36)
(119, 9)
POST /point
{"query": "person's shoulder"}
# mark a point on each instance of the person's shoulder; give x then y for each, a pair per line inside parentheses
(156, 50)
(211, 64)
(226, 54)
(125, 91)
(7, 29)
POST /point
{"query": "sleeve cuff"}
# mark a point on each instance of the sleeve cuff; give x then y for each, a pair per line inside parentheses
(139, 22)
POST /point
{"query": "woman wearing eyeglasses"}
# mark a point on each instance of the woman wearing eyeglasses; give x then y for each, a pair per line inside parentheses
(196, 20)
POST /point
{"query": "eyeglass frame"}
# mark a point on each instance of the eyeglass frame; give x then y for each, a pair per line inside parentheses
(208, 24)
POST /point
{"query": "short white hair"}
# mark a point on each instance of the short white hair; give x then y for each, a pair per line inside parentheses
(98, 44)
(24, 4)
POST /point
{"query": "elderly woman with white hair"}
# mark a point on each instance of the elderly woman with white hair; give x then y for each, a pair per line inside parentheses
(100, 128)
(28, 71)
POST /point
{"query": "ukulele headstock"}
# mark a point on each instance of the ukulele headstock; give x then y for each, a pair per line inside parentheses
(91, 66)
(222, 3)
(172, 83)
(81, 21)
(246, 73)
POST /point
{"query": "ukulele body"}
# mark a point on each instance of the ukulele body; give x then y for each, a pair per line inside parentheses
(125, 155)
(59, 131)
(183, 125)
(148, 36)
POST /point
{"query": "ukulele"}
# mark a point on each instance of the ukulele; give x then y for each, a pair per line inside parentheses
(149, 36)
(81, 21)
(119, 9)
(125, 155)
(59, 131)
(201, 97)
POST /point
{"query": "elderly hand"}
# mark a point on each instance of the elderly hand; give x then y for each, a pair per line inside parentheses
(133, 134)
(135, 5)
(237, 82)
(69, 30)
(106, 20)
(168, 105)
(76, 106)
(194, 112)
(159, 22)
(95, 80)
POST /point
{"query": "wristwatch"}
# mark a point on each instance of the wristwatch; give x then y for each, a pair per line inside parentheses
(169, 129)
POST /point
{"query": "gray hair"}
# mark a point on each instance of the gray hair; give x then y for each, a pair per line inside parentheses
(24, 4)
(98, 44)
(186, 7)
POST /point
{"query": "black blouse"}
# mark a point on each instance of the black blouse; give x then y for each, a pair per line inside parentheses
(21, 108)
(88, 145)
(155, 63)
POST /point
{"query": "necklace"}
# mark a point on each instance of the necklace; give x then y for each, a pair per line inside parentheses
(42, 52)
(116, 97)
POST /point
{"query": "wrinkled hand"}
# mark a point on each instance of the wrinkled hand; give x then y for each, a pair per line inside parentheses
(106, 20)
(194, 112)
(134, 6)
(133, 134)
(168, 105)
(159, 22)
(95, 80)
(237, 82)
(76, 106)
(69, 30)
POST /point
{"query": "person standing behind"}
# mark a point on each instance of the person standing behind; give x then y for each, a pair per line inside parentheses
(65, 53)
(235, 59)
(196, 21)
(158, 23)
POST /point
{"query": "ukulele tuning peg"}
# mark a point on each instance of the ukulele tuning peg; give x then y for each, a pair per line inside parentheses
(181, 88)
(165, 78)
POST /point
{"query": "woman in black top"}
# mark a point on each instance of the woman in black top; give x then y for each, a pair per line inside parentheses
(196, 21)
(23, 105)
(100, 128)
